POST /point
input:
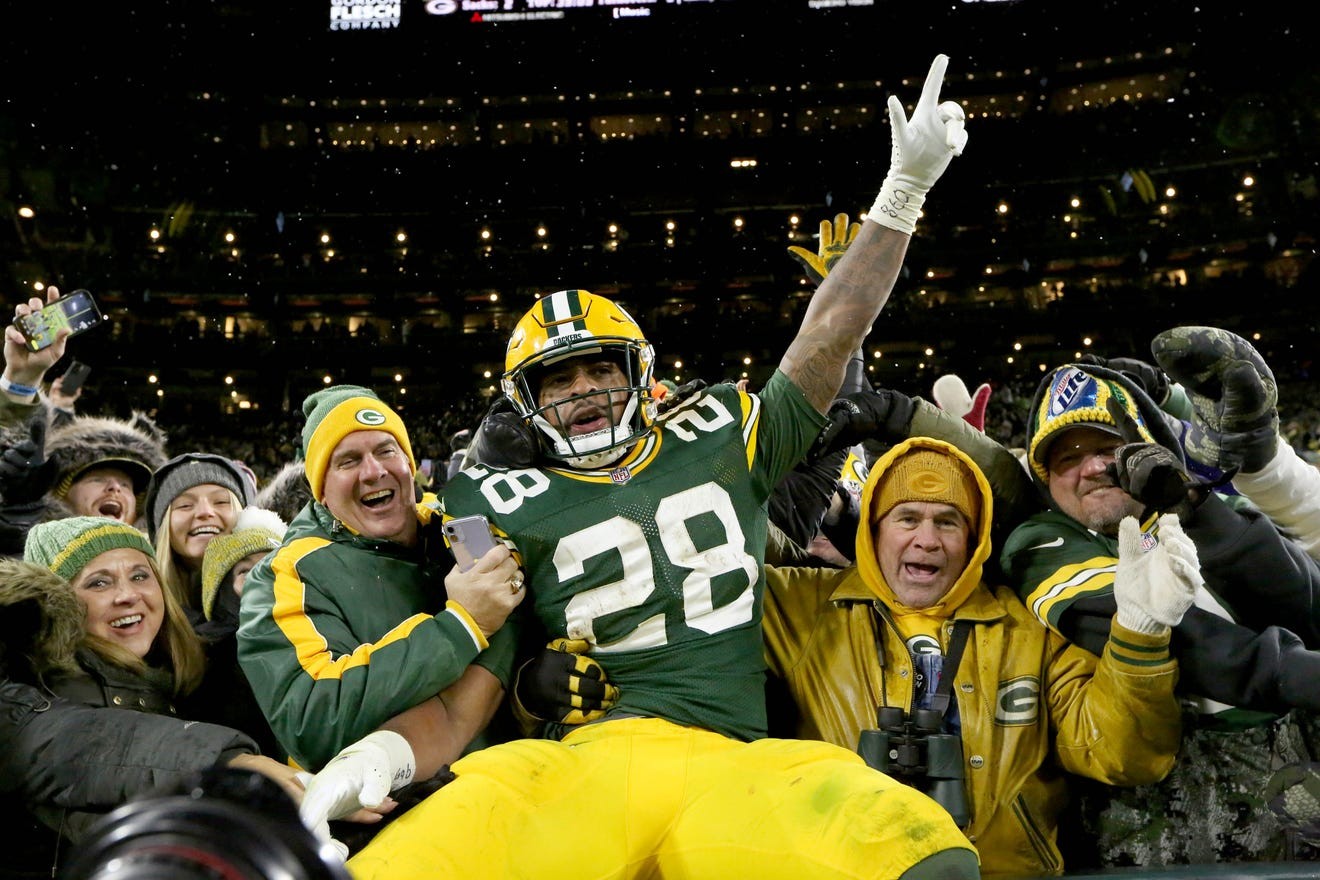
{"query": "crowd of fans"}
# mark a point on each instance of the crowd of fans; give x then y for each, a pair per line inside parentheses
(271, 445)
(812, 628)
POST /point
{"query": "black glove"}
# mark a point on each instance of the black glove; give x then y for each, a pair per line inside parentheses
(25, 474)
(882, 414)
(563, 684)
(503, 439)
(680, 394)
(1147, 471)
(1147, 377)
(1235, 420)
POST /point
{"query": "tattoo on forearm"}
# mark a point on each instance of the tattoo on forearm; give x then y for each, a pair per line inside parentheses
(842, 311)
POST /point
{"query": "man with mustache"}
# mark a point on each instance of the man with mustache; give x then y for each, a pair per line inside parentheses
(1100, 449)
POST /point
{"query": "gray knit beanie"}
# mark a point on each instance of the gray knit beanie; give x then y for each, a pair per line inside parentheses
(182, 472)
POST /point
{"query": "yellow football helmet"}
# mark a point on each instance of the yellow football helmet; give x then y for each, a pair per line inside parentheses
(575, 323)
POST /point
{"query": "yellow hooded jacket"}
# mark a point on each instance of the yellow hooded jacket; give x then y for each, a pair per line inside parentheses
(1031, 704)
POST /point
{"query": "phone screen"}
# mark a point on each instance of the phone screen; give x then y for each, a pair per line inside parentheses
(77, 311)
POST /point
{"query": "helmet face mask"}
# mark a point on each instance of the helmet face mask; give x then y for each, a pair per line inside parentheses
(575, 324)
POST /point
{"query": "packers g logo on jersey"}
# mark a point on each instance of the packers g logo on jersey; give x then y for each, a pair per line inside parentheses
(923, 644)
(1017, 701)
(372, 418)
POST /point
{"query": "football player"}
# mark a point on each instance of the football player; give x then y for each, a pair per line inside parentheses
(643, 536)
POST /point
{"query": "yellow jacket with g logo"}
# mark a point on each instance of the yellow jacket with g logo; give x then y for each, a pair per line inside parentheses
(1031, 705)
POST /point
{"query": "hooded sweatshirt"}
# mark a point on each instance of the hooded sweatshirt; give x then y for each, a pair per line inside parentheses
(1025, 702)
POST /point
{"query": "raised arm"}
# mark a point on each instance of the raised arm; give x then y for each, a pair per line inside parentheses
(855, 290)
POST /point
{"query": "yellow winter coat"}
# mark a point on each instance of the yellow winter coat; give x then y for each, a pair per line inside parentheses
(1031, 704)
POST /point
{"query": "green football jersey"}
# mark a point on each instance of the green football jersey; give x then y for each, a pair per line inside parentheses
(656, 560)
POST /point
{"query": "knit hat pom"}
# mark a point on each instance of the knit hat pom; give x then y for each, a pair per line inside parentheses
(257, 531)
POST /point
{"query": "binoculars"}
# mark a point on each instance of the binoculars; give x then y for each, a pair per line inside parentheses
(912, 749)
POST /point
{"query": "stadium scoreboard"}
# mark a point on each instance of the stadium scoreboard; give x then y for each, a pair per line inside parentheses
(357, 15)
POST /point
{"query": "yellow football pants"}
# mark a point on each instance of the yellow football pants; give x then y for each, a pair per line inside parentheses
(644, 798)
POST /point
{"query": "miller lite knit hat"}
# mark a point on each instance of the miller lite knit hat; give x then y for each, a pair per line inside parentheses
(1076, 399)
(335, 412)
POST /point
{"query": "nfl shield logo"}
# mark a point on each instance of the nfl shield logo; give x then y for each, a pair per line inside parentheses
(620, 475)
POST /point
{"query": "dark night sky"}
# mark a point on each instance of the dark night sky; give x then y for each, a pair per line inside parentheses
(246, 47)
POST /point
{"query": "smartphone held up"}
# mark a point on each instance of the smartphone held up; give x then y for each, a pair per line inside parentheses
(78, 311)
(74, 377)
(470, 537)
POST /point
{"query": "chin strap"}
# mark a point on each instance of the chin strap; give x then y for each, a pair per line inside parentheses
(598, 460)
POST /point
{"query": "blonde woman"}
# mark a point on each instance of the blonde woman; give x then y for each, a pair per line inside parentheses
(191, 499)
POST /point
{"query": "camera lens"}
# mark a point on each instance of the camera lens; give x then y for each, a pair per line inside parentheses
(240, 828)
(162, 859)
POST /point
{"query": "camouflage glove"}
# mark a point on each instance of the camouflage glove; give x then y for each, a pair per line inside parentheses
(921, 148)
(1157, 575)
(1293, 794)
(1235, 420)
(834, 241)
(563, 684)
(503, 439)
(882, 414)
(25, 472)
(1148, 378)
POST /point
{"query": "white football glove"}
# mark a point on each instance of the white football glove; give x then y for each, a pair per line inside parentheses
(1157, 575)
(329, 845)
(922, 148)
(361, 775)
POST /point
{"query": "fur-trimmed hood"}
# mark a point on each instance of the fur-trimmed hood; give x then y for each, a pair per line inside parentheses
(87, 440)
(41, 622)
(287, 493)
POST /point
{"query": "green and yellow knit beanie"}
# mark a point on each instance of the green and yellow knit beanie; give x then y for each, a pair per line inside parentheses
(257, 530)
(65, 546)
(333, 414)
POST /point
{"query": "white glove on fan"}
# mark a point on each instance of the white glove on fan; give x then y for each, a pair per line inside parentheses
(1157, 576)
(922, 149)
(361, 775)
